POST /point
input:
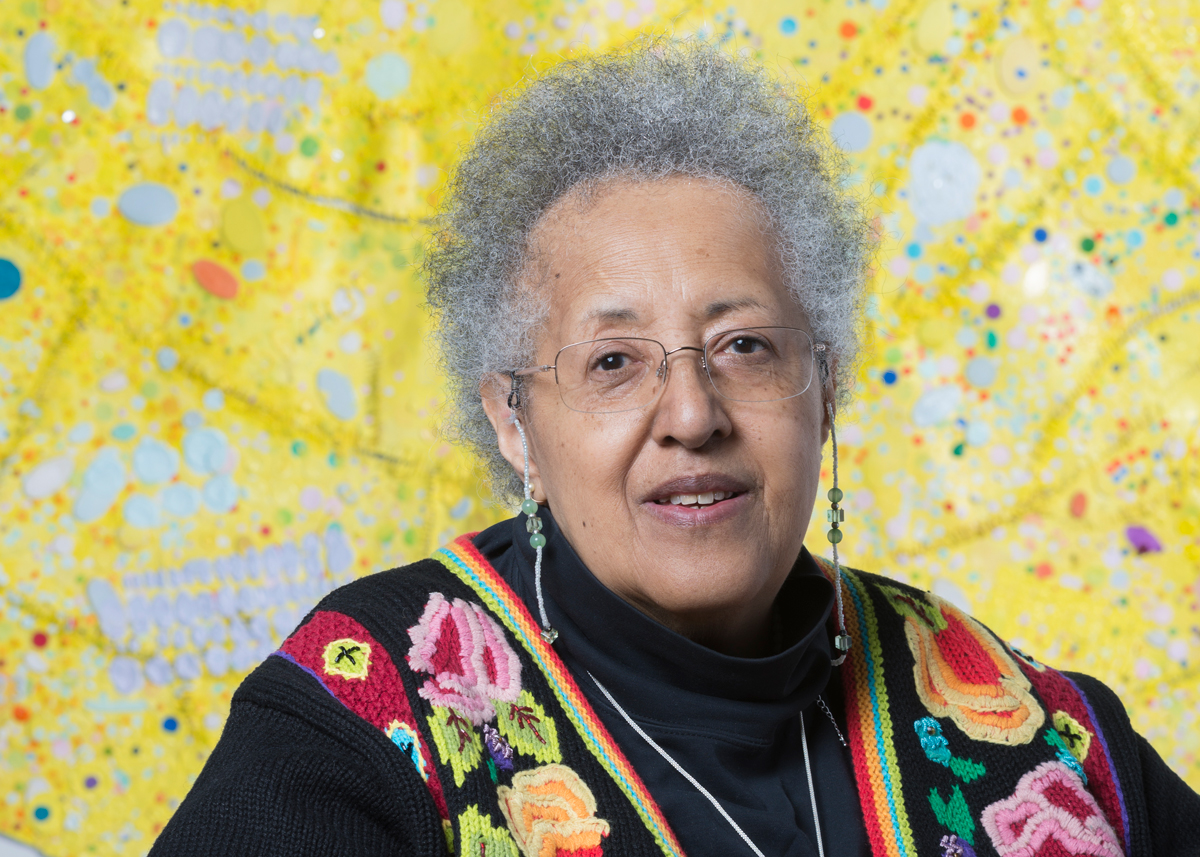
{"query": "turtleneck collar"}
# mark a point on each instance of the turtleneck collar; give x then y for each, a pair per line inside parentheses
(655, 673)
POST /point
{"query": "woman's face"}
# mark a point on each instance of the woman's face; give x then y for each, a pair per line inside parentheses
(675, 260)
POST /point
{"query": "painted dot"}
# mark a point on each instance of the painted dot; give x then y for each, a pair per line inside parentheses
(124, 431)
(967, 120)
(388, 75)
(298, 447)
(23, 112)
(1093, 185)
(1171, 219)
(848, 30)
(215, 279)
(148, 204)
(90, 783)
(788, 26)
(10, 279)
(1134, 238)
(167, 358)
(851, 131)
(1020, 115)
(253, 269)
(889, 377)
(1087, 245)
(1040, 235)
(993, 310)
(41, 813)
(864, 102)
(101, 207)
(309, 146)
(1121, 170)
(913, 251)
(40, 639)
(170, 724)
(991, 339)
(958, 449)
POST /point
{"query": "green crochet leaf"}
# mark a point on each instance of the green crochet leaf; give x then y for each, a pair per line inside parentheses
(967, 769)
(954, 814)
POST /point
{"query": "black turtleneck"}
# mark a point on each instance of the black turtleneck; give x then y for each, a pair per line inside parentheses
(732, 723)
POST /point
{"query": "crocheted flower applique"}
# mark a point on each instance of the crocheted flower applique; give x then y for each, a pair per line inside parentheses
(937, 749)
(1050, 813)
(465, 651)
(964, 674)
(552, 813)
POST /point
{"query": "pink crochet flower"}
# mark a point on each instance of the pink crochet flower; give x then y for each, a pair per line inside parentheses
(1050, 814)
(465, 651)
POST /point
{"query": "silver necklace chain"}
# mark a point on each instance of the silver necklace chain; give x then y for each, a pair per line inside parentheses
(812, 794)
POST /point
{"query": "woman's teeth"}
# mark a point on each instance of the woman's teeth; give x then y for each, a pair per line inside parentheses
(697, 500)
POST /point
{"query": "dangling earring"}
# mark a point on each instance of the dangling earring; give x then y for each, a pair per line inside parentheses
(533, 524)
(835, 515)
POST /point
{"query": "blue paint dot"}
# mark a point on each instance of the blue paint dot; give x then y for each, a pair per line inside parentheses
(253, 269)
(185, 319)
(1040, 235)
(923, 273)
(889, 377)
(1134, 238)
(1093, 185)
(10, 279)
(124, 431)
(913, 251)
(167, 358)
(41, 813)
(170, 724)
(788, 26)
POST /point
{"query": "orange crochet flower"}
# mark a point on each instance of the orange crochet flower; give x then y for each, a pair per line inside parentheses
(551, 813)
(963, 673)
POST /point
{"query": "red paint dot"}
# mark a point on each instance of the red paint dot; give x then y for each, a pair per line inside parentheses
(1020, 115)
(848, 30)
(40, 640)
(381, 166)
(1079, 504)
(266, 531)
(21, 713)
(865, 102)
(1044, 570)
(967, 120)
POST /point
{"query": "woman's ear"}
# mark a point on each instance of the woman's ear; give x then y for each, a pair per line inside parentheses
(494, 394)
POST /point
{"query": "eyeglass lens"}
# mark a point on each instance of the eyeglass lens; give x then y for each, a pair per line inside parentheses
(745, 365)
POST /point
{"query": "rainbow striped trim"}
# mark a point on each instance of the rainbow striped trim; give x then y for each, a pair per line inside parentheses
(876, 767)
(467, 564)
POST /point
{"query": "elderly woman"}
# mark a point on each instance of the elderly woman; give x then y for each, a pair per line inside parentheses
(647, 283)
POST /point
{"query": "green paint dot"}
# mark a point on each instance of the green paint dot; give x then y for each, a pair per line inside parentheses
(991, 339)
(23, 112)
(1088, 245)
(104, 411)
(893, 355)
(334, 461)
(309, 146)
(298, 447)
(410, 537)
(149, 389)
(1171, 219)
(284, 517)
(958, 450)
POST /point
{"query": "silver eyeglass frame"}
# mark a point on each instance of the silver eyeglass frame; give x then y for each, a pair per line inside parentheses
(817, 349)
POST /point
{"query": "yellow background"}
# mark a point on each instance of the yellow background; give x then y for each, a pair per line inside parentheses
(1030, 395)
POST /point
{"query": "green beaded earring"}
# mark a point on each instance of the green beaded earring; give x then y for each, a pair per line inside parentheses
(836, 515)
(533, 526)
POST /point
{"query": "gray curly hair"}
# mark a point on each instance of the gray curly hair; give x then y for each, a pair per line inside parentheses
(654, 109)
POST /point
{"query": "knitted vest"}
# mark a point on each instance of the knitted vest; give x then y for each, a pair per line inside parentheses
(961, 746)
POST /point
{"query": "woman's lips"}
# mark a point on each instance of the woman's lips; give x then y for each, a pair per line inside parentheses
(693, 515)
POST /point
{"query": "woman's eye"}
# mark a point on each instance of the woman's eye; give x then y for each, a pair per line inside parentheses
(746, 345)
(612, 362)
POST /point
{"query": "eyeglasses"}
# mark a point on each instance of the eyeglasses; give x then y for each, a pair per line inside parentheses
(608, 376)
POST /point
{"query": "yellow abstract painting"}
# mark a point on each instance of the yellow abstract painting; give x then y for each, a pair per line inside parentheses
(217, 400)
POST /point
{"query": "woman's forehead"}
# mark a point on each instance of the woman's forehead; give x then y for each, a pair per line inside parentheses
(684, 249)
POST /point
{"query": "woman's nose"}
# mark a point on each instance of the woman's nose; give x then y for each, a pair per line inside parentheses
(689, 409)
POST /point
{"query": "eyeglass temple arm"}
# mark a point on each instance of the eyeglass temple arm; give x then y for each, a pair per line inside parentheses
(514, 394)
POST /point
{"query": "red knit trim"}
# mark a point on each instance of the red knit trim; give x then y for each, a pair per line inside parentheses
(1059, 694)
(378, 696)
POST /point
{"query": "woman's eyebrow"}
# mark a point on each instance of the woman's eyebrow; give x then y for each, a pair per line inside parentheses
(611, 315)
(724, 306)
